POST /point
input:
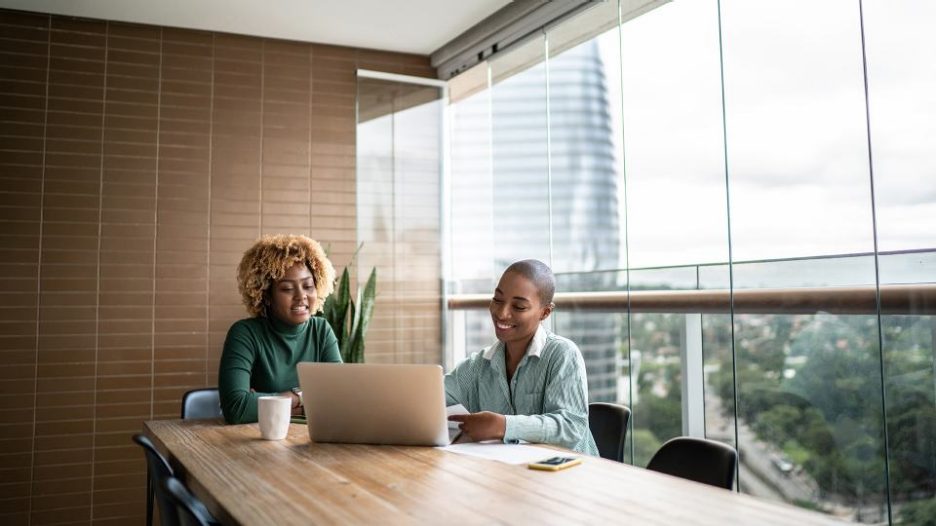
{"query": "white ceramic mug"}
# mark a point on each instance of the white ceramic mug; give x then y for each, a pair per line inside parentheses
(273, 414)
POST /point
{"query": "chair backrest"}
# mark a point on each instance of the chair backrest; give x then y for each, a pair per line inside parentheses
(201, 403)
(608, 425)
(158, 470)
(697, 459)
(189, 510)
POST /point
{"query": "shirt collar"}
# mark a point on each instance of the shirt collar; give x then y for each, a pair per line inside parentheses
(534, 349)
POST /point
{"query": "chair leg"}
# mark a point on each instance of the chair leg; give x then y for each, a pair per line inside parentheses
(149, 498)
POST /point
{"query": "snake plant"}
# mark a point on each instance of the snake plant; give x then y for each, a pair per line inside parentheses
(350, 320)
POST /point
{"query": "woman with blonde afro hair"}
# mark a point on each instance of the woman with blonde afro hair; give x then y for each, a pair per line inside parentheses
(283, 281)
(270, 258)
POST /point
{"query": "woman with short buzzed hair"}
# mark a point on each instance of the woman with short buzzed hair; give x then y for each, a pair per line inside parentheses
(530, 385)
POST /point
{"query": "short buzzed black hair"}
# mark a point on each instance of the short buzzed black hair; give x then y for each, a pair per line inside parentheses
(541, 276)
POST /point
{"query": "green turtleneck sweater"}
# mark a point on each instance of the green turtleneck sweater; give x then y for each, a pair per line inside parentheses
(261, 354)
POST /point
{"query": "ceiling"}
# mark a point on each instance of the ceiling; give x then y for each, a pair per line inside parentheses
(409, 26)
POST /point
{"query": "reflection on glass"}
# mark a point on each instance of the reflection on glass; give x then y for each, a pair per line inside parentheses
(500, 179)
(585, 152)
(472, 227)
(809, 402)
(600, 338)
(901, 51)
(585, 168)
(398, 157)
(808, 387)
(480, 330)
(472, 194)
(676, 214)
(911, 415)
(519, 155)
(717, 364)
(656, 371)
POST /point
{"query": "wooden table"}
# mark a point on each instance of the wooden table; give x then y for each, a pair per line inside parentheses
(246, 480)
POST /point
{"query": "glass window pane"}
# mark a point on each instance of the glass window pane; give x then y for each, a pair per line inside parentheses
(585, 155)
(656, 373)
(901, 51)
(676, 208)
(500, 182)
(809, 404)
(586, 169)
(797, 146)
(809, 386)
(519, 155)
(471, 207)
(398, 161)
(719, 384)
(673, 148)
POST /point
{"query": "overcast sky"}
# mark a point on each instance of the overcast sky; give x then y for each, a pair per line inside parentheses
(797, 142)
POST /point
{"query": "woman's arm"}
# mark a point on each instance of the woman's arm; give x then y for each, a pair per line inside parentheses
(238, 401)
(460, 381)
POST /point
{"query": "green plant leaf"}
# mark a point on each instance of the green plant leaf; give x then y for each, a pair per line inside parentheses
(343, 298)
(329, 313)
(336, 307)
(367, 298)
(345, 346)
(349, 320)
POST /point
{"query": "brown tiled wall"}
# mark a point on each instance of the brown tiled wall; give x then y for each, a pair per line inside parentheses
(136, 164)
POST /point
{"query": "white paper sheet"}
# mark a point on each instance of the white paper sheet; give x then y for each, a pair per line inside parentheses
(456, 409)
(507, 453)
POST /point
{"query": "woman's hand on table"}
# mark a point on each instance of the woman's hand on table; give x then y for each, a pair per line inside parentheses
(483, 425)
(297, 409)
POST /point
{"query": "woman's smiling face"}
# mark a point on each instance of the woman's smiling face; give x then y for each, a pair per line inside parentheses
(516, 308)
(294, 295)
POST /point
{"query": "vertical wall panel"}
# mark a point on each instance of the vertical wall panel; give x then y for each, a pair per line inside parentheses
(128, 207)
(332, 182)
(236, 146)
(285, 140)
(23, 70)
(181, 309)
(64, 432)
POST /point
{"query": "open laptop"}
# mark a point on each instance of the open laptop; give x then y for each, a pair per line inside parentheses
(375, 404)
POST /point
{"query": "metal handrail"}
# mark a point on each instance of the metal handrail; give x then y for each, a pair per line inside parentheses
(895, 299)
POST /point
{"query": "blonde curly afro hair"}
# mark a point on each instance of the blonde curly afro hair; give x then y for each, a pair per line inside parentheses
(267, 262)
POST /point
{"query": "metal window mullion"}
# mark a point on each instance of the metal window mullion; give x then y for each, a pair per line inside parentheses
(693, 392)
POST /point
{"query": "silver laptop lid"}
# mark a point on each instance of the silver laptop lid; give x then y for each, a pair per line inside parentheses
(374, 403)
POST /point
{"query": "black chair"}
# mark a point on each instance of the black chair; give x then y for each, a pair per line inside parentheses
(201, 403)
(189, 510)
(608, 425)
(197, 403)
(157, 469)
(697, 459)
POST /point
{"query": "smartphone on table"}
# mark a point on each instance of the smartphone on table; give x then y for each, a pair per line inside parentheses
(555, 463)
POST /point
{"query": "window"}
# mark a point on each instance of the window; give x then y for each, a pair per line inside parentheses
(705, 166)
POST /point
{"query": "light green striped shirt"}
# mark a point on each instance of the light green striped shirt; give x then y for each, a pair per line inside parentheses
(546, 401)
